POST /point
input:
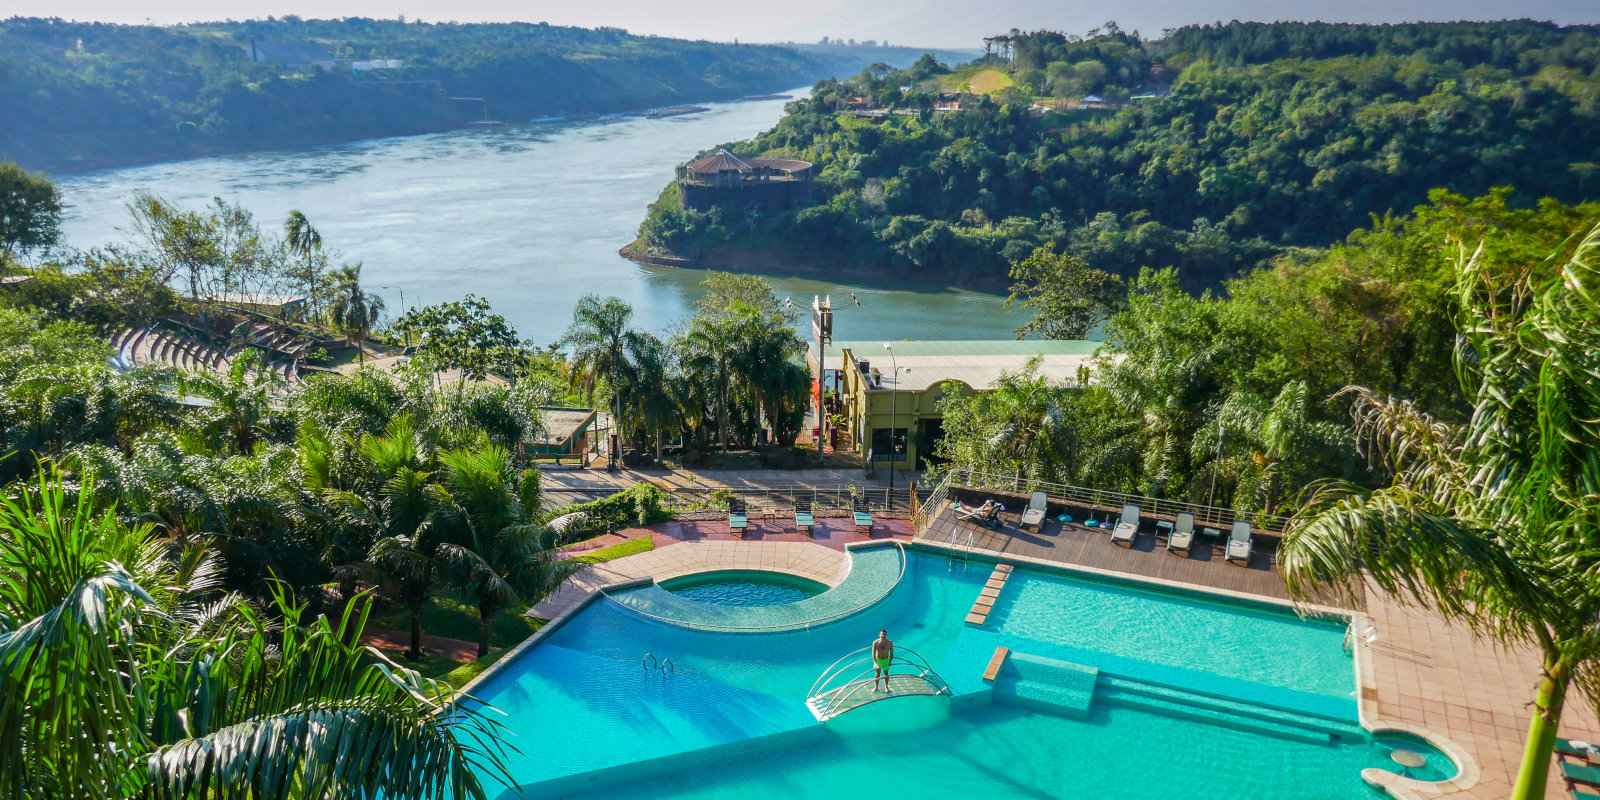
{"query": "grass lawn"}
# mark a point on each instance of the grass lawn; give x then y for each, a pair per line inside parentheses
(643, 544)
(987, 80)
(455, 618)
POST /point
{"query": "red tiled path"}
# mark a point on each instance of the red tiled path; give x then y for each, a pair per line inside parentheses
(396, 642)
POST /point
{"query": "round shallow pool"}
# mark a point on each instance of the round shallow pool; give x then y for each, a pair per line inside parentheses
(743, 588)
(1434, 764)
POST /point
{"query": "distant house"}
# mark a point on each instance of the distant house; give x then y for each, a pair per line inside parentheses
(564, 432)
(377, 64)
(948, 102)
(1096, 101)
(723, 178)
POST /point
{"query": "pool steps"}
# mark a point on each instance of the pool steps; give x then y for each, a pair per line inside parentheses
(989, 595)
(1225, 711)
(1072, 689)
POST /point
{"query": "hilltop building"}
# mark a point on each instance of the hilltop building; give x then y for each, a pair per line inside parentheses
(724, 179)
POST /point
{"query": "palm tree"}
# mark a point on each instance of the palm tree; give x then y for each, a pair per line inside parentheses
(498, 554)
(1284, 448)
(649, 400)
(241, 401)
(599, 338)
(1493, 521)
(305, 243)
(129, 675)
(354, 311)
(713, 340)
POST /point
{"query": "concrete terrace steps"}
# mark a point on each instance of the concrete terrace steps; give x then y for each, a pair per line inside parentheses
(989, 595)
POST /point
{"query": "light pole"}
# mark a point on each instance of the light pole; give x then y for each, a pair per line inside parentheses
(894, 411)
(403, 309)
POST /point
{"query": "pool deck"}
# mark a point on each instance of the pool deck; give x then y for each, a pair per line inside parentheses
(826, 565)
(1433, 676)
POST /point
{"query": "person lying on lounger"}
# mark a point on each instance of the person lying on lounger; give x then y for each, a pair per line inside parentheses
(982, 512)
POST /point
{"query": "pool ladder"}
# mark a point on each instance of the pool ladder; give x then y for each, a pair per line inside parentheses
(663, 665)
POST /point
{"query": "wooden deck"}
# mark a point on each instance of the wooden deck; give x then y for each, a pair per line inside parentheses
(1070, 544)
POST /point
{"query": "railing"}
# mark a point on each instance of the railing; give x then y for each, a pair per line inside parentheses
(929, 509)
(845, 680)
(1109, 500)
(691, 502)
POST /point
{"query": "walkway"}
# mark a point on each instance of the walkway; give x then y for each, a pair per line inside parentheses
(825, 565)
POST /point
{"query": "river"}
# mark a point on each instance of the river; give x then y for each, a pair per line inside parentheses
(529, 216)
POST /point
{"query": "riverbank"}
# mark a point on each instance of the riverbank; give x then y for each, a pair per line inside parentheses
(780, 261)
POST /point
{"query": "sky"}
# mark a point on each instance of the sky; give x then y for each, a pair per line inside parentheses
(933, 23)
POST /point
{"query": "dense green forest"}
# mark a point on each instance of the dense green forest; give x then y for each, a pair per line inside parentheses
(98, 94)
(1212, 149)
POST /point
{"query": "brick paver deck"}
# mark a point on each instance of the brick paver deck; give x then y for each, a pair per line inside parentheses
(1435, 676)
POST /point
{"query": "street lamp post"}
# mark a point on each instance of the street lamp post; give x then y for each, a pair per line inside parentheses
(403, 309)
(894, 412)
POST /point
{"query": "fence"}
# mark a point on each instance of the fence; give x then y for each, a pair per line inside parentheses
(1089, 497)
(710, 502)
(928, 510)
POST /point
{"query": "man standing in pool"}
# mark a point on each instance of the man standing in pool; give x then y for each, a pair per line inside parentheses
(882, 657)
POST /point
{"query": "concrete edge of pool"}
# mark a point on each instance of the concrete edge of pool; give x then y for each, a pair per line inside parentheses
(1395, 785)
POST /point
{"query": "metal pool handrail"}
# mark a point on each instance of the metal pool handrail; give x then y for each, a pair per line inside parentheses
(805, 625)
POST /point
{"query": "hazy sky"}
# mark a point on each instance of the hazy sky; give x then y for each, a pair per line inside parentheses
(944, 23)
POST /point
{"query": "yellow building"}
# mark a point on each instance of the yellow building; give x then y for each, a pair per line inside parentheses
(888, 392)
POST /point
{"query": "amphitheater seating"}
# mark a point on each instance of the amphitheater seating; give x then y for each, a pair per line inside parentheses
(160, 346)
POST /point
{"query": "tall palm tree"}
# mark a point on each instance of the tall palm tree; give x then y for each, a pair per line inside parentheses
(128, 675)
(1265, 449)
(650, 400)
(714, 340)
(354, 311)
(498, 554)
(1492, 522)
(305, 244)
(599, 339)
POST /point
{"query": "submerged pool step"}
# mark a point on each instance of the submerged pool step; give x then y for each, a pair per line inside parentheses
(1223, 711)
(1059, 686)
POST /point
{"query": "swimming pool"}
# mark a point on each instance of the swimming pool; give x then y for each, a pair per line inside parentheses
(743, 588)
(1195, 698)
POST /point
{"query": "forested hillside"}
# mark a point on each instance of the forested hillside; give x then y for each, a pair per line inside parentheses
(1211, 150)
(97, 94)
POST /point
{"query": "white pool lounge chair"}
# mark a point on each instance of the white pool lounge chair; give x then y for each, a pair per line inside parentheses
(1034, 513)
(1239, 542)
(1182, 534)
(1127, 527)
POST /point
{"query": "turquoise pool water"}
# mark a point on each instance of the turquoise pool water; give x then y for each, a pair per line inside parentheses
(1196, 698)
(743, 588)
